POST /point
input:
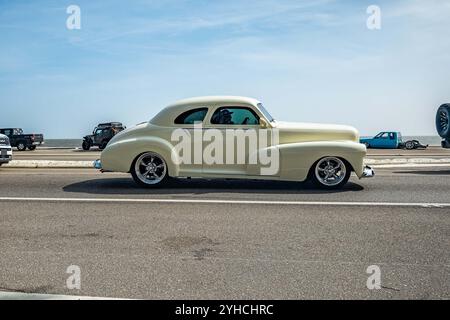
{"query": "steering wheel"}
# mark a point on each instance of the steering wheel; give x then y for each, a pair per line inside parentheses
(245, 120)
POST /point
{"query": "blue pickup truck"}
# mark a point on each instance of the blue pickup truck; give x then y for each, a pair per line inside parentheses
(391, 140)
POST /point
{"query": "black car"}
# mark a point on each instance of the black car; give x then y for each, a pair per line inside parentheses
(22, 141)
(101, 135)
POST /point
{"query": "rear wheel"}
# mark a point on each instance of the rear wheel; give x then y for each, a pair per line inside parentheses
(31, 148)
(149, 170)
(103, 145)
(21, 146)
(330, 173)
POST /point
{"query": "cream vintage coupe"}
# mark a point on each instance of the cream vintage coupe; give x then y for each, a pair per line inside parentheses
(234, 137)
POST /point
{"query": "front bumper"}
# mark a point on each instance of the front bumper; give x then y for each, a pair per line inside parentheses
(5, 154)
(368, 172)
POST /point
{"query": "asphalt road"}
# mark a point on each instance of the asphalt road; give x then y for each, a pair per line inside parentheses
(77, 154)
(225, 249)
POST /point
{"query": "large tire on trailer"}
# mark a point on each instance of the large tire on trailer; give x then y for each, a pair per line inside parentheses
(410, 145)
(443, 121)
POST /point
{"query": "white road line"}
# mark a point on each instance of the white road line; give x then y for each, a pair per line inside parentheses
(218, 201)
(13, 295)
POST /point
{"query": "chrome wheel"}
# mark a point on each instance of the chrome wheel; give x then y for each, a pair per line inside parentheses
(150, 168)
(330, 171)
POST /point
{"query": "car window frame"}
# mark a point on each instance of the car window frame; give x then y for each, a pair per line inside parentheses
(208, 109)
(236, 106)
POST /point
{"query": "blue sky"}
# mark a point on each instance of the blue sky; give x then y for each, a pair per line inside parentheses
(308, 61)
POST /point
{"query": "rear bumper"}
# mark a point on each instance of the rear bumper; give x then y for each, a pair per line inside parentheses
(368, 172)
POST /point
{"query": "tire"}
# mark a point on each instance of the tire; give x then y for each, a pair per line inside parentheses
(31, 148)
(149, 179)
(21, 146)
(86, 145)
(367, 145)
(410, 145)
(103, 145)
(445, 144)
(338, 168)
(443, 121)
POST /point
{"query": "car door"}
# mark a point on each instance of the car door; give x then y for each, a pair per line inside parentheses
(98, 136)
(379, 141)
(234, 129)
(190, 123)
(393, 143)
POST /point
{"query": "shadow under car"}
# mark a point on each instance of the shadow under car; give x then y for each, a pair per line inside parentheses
(202, 186)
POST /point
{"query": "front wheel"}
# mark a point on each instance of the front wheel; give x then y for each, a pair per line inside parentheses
(330, 173)
(21, 146)
(86, 145)
(149, 170)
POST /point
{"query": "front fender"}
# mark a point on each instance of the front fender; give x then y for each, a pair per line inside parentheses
(296, 159)
(119, 155)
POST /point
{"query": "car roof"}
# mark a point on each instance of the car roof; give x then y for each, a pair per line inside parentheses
(215, 100)
(169, 113)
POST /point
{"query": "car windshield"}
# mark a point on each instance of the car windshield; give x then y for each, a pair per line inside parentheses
(265, 112)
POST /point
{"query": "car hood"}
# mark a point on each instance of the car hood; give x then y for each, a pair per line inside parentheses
(291, 132)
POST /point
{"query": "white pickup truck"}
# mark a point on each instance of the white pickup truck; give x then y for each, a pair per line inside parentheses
(5, 150)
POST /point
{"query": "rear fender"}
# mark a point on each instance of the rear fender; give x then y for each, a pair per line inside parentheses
(119, 155)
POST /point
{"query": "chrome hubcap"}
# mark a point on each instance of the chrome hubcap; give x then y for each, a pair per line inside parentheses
(330, 171)
(150, 168)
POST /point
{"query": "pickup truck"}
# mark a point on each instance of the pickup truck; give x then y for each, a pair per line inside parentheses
(22, 141)
(5, 150)
(391, 140)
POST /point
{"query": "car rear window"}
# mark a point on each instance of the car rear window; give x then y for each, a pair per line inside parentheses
(192, 116)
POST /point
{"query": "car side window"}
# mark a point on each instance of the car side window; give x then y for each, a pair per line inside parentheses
(235, 116)
(192, 116)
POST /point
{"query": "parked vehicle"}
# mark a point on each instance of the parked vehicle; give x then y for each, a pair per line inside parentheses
(443, 124)
(101, 135)
(5, 150)
(391, 140)
(325, 154)
(23, 141)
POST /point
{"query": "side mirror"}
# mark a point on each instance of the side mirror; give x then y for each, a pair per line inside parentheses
(263, 123)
